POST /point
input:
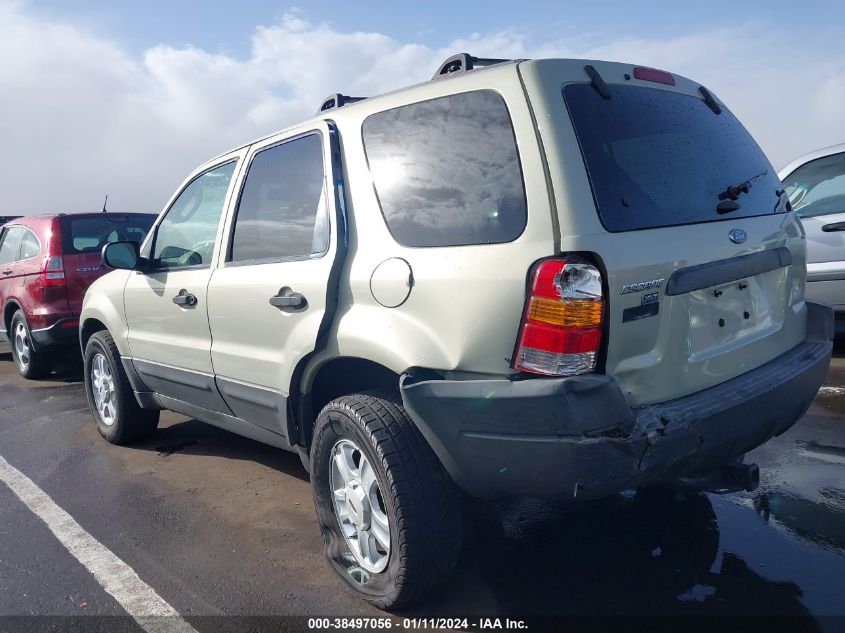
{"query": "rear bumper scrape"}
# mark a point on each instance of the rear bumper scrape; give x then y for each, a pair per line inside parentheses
(576, 438)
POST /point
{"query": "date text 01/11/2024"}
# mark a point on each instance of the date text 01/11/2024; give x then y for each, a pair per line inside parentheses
(482, 624)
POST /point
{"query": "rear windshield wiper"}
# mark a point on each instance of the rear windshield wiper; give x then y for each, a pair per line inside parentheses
(733, 192)
(728, 198)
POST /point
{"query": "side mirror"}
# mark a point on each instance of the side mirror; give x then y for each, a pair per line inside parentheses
(121, 255)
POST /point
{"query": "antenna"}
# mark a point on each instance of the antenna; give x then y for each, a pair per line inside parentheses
(105, 202)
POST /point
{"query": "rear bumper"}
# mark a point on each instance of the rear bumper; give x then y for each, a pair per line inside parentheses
(576, 438)
(64, 332)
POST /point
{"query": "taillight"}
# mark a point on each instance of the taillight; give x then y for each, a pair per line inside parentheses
(53, 272)
(561, 326)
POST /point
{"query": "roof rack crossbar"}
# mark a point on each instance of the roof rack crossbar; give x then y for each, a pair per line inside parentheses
(463, 62)
(337, 100)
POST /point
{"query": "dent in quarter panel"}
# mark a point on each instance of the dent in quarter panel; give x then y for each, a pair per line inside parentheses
(464, 309)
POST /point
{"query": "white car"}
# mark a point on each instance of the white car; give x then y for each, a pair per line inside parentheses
(815, 184)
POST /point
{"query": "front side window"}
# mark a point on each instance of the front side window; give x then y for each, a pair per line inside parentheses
(818, 187)
(30, 247)
(447, 171)
(186, 234)
(282, 212)
(10, 244)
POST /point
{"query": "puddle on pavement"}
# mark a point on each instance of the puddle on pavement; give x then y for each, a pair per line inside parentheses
(766, 554)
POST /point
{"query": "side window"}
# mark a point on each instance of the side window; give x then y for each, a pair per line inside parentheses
(447, 172)
(10, 244)
(30, 247)
(187, 233)
(282, 212)
(818, 187)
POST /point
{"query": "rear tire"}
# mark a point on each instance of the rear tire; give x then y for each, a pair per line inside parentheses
(120, 419)
(30, 364)
(414, 493)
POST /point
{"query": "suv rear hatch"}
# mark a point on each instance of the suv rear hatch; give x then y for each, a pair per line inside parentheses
(83, 238)
(703, 266)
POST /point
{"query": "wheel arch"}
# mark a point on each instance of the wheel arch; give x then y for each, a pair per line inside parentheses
(88, 329)
(100, 312)
(334, 377)
(9, 310)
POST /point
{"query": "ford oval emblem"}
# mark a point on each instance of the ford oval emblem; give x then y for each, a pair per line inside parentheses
(738, 236)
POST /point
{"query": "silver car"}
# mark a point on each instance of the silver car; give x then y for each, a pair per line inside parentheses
(815, 184)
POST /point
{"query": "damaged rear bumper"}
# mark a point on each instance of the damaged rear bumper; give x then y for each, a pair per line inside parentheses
(577, 438)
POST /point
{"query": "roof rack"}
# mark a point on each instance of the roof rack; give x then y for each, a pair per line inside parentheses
(462, 62)
(337, 100)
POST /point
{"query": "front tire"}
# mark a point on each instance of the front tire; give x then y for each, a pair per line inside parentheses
(389, 513)
(120, 420)
(31, 364)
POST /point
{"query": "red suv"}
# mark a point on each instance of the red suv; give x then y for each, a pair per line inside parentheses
(46, 264)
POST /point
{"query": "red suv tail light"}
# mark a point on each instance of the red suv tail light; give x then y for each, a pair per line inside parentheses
(53, 272)
(561, 326)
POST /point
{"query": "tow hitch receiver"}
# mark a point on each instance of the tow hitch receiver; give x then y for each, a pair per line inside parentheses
(743, 476)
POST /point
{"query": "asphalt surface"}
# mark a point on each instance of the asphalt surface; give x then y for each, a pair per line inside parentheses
(221, 526)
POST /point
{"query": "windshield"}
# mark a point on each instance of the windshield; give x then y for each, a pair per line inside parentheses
(658, 158)
(818, 187)
(89, 234)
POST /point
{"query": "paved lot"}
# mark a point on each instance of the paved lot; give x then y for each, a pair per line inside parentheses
(219, 525)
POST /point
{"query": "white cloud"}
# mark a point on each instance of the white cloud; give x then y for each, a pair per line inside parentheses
(81, 117)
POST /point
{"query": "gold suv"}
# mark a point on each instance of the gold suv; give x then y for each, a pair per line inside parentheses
(551, 278)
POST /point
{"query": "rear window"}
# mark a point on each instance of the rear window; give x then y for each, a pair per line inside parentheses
(657, 158)
(446, 171)
(89, 234)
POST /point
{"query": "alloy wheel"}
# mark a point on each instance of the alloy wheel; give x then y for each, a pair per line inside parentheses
(22, 346)
(359, 506)
(103, 390)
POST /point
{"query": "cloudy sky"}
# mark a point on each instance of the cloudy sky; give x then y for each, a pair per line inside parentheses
(126, 98)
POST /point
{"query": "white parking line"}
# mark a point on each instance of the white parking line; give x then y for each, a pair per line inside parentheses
(139, 600)
(826, 390)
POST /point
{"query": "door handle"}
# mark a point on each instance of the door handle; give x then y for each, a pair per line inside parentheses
(185, 298)
(8, 271)
(288, 300)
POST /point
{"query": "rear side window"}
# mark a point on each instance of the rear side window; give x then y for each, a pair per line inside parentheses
(282, 211)
(447, 172)
(818, 187)
(10, 244)
(30, 247)
(89, 234)
(657, 158)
